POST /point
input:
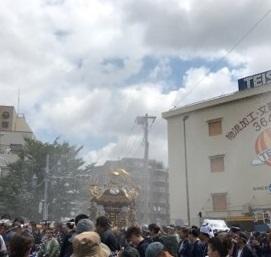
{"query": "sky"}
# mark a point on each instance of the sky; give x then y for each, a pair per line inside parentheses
(86, 69)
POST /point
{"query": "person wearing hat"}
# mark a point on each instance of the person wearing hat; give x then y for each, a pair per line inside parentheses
(88, 244)
(157, 249)
(82, 225)
(235, 230)
(206, 230)
(171, 240)
(206, 233)
(66, 248)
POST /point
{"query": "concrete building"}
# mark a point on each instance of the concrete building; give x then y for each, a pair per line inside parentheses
(157, 191)
(13, 130)
(220, 156)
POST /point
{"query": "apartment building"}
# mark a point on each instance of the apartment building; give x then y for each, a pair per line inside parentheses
(220, 154)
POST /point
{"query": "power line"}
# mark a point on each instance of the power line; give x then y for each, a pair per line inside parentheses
(125, 145)
(235, 45)
(137, 152)
(138, 142)
(133, 146)
(122, 150)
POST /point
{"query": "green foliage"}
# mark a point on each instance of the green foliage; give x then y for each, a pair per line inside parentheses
(22, 197)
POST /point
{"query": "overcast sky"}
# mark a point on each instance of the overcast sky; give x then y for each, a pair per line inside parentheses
(87, 68)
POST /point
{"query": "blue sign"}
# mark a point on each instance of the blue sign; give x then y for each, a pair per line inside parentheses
(257, 80)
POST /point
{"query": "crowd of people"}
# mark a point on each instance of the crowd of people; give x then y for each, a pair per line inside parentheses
(81, 237)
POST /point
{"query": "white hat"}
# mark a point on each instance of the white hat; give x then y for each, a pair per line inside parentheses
(6, 222)
(207, 230)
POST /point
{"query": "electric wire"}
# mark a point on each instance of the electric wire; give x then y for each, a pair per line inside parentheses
(235, 45)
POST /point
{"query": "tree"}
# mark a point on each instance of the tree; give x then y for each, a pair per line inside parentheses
(21, 196)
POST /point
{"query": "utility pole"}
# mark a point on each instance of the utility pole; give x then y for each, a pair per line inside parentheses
(46, 182)
(144, 122)
(186, 171)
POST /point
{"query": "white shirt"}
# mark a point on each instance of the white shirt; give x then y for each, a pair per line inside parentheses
(2, 244)
(239, 252)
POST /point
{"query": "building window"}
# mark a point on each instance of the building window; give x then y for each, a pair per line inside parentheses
(217, 163)
(215, 127)
(5, 124)
(5, 115)
(219, 201)
(16, 147)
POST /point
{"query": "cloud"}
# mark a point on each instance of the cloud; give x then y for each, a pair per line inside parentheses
(196, 26)
(153, 100)
(79, 64)
(86, 114)
(162, 71)
(101, 111)
(201, 84)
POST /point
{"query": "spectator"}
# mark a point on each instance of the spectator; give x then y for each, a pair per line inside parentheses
(129, 252)
(219, 247)
(155, 233)
(157, 249)
(184, 248)
(84, 225)
(103, 227)
(205, 234)
(66, 248)
(50, 247)
(36, 235)
(89, 244)
(196, 245)
(134, 237)
(170, 242)
(243, 249)
(80, 217)
(266, 245)
(20, 245)
(3, 248)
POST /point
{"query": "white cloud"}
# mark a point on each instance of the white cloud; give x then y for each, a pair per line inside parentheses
(201, 84)
(162, 71)
(62, 54)
(83, 114)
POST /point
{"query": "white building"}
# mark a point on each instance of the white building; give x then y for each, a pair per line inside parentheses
(220, 156)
